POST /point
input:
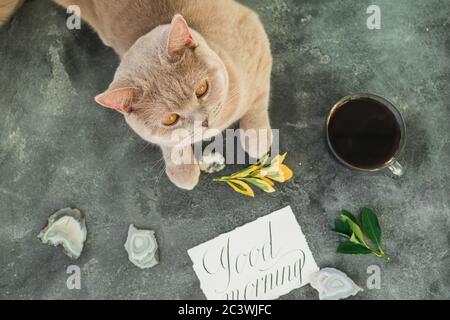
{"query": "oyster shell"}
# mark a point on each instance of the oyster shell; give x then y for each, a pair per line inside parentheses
(333, 284)
(66, 227)
(142, 248)
(212, 163)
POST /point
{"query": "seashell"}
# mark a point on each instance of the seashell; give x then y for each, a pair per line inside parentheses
(333, 284)
(212, 163)
(67, 227)
(142, 247)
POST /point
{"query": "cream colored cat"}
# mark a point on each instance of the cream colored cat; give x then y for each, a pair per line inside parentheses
(7, 9)
(184, 62)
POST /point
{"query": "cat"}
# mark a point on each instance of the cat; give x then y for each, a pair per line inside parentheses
(7, 9)
(185, 62)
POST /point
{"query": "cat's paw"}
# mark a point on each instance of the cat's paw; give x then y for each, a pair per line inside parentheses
(185, 176)
(257, 145)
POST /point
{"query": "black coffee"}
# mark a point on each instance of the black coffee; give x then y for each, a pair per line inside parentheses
(364, 133)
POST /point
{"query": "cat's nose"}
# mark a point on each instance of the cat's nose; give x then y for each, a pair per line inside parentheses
(205, 123)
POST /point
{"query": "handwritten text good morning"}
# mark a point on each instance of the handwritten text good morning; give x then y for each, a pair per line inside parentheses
(264, 259)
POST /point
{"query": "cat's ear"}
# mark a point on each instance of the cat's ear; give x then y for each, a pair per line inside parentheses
(180, 37)
(118, 99)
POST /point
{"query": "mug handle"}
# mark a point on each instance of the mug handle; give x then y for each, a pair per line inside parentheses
(397, 169)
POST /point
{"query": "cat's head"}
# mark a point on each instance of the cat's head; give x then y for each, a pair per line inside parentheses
(169, 80)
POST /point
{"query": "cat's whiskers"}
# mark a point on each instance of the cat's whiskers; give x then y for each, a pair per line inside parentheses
(186, 141)
(161, 173)
(146, 146)
(156, 163)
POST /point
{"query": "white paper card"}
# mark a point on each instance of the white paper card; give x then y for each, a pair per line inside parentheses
(262, 260)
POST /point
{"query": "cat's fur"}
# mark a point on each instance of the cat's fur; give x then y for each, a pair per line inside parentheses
(7, 9)
(167, 47)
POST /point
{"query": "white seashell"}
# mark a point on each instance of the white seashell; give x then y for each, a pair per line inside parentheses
(212, 163)
(67, 227)
(333, 284)
(142, 247)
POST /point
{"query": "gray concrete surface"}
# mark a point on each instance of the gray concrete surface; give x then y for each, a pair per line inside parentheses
(58, 149)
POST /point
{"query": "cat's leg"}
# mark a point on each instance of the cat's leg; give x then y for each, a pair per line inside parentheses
(7, 9)
(256, 138)
(181, 167)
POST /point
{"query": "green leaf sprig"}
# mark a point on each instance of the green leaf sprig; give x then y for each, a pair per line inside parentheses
(355, 234)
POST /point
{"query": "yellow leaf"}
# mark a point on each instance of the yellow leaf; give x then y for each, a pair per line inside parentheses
(278, 160)
(283, 175)
(244, 173)
(270, 171)
(261, 163)
(241, 187)
(275, 166)
(261, 184)
(288, 174)
(276, 177)
(261, 175)
(267, 180)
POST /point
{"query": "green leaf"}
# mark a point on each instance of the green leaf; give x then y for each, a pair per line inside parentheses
(250, 170)
(342, 228)
(355, 227)
(371, 226)
(261, 184)
(263, 161)
(349, 215)
(353, 239)
(353, 248)
(241, 187)
(244, 173)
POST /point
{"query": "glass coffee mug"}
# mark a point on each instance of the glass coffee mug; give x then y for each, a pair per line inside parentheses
(366, 132)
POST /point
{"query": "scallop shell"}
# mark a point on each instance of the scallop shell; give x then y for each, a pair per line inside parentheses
(142, 247)
(67, 227)
(333, 284)
(212, 163)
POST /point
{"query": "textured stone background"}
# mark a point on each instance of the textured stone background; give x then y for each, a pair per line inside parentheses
(58, 149)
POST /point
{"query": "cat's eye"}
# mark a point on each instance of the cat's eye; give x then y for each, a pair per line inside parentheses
(202, 89)
(171, 119)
